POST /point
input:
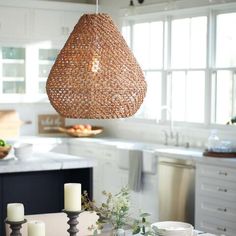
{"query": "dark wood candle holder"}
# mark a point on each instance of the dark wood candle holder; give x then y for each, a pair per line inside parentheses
(72, 222)
(15, 227)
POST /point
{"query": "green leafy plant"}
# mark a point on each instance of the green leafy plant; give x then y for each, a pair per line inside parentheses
(114, 210)
(89, 205)
(143, 226)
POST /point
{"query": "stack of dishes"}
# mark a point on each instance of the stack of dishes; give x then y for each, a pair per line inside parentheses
(23, 151)
(173, 228)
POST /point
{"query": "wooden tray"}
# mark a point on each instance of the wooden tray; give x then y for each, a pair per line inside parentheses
(219, 154)
(81, 134)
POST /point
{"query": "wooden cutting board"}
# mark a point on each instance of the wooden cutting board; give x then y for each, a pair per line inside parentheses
(10, 123)
(219, 154)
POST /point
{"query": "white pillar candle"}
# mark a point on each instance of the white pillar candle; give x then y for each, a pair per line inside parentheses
(72, 197)
(36, 228)
(15, 212)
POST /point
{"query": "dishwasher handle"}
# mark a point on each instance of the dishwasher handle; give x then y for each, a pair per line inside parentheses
(188, 166)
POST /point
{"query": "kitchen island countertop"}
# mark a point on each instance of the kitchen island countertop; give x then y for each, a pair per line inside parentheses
(44, 161)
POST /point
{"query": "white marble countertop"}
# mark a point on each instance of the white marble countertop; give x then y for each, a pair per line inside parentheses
(160, 149)
(44, 161)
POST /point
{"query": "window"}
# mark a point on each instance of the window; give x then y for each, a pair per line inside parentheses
(189, 64)
(188, 53)
(225, 40)
(223, 78)
(148, 49)
(187, 96)
(188, 42)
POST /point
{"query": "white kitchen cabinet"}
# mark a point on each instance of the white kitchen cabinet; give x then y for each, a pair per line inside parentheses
(87, 149)
(106, 172)
(215, 207)
(47, 24)
(37, 31)
(112, 173)
(14, 23)
(24, 70)
(54, 24)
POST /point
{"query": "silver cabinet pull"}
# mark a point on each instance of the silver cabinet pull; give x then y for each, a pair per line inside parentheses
(222, 190)
(221, 229)
(222, 209)
(222, 173)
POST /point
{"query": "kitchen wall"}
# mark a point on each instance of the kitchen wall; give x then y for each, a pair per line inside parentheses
(122, 128)
(29, 112)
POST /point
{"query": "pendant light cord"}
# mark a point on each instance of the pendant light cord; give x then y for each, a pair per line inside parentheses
(96, 6)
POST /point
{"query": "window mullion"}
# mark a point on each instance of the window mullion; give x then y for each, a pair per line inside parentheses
(211, 42)
(1, 82)
(168, 72)
(213, 95)
(209, 111)
(233, 94)
(165, 76)
(186, 95)
(234, 89)
(168, 50)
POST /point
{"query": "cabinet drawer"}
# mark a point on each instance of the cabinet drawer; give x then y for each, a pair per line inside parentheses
(14, 23)
(216, 208)
(216, 188)
(110, 154)
(215, 226)
(85, 150)
(218, 172)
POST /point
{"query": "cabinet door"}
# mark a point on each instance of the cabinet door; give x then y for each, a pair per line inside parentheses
(216, 208)
(70, 20)
(13, 23)
(12, 70)
(46, 59)
(217, 172)
(48, 25)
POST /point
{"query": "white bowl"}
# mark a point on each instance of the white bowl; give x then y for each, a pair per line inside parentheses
(174, 228)
(23, 150)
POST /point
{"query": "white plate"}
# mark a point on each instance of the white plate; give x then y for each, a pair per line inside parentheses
(175, 228)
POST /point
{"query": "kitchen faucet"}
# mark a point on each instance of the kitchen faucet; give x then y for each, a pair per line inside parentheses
(172, 135)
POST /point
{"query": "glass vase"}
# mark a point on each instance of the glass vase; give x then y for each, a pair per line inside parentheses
(118, 232)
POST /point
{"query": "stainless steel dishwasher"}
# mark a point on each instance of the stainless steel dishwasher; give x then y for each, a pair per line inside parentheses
(176, 179)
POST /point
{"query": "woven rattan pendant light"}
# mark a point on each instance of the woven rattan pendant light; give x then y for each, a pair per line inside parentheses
(96, 76)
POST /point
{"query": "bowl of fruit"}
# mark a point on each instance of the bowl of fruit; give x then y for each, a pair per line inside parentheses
(4, 149)
(80, 130)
